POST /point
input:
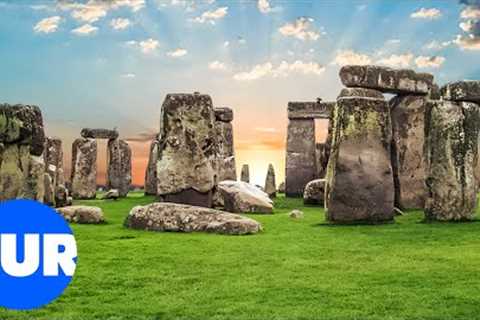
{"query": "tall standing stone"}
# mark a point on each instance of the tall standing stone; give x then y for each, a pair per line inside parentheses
(320, 149)
(408, 119)
(188, 150)
(359, 178)
(245, 174)
(55, 183)
(270, 185)
(84, 168)
(119, 166)
(226, 152)
(451, 152)
(151, 171)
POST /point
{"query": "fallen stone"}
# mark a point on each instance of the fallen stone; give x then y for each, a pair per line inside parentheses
(270, 185)
(84, 168)
(468, 91)
(82, 214)
(245, 174)
(151, 171)
(111, 194)
(386, 79)
(184, 218)
(451, 153)
(99, 133)
(314, 192)
(242, 197)
(296, 214)
(119, 166)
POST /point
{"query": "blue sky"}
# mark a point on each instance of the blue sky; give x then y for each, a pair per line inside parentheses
(111, 63)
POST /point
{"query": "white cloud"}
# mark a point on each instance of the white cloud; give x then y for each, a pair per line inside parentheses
(212, 16)
(135, 5)
(429, 62)
(217, 65)
(429, 14)
(470, 12)
(301, 29)
(468, 42)
(226, 44)
(120, 23)
(397, 60)
(90, 12)
(47, 25)
(177, 53)
(93, 10)
(128, 75)
(85, 30)
(284, 69)
(149, 45)
(351, 57)
(436, 45)
(393, 41)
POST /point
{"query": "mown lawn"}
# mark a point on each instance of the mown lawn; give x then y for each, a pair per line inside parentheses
(295, 269)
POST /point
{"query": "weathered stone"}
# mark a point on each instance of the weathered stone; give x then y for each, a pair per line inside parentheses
(223, 114)
(82, 214)
(226, 153)
(245, 174)
(301, 161)
(14, 168)
(451, 153)
(84, 168)
(111, 194)
(320, 155)
(242, 197)
(314, 192)
(270, 185)
(296, 214)
(188, 150)
(119, 166)
(62, 198)
(184, 218)
(53, 156)
(151, 171)
(468, 91)
(99, 133)
(49, 187)
(309, 110)
(408, 119)
(34, 183)
(386, 79)
(22, 124)
(359, 186)
(281, 188)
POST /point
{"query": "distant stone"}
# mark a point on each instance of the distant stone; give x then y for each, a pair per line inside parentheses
(452, 131)
(62, 198)
(296, 214)
(310, 110)
(224, 114)
(82, 214)
(119, 166)
(314, 192)
(99, 133)
(172, 217)
(468, 91)
(84, 168)
(111, 194)
(386, 79)
(242, 197)
(270, 185)
(320, 155)
(245, 174)
(281, 188)
(151, 171)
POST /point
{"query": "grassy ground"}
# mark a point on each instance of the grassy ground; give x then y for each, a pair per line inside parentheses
(295, 269)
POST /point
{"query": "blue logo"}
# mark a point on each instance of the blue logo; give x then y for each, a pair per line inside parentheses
(38, 254)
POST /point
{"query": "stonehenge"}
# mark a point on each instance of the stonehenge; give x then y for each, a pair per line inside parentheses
(226, 152)
(56, 193)
(84, 168)
(270, 185)
(151, 171)
(119, 168)
(245, 174)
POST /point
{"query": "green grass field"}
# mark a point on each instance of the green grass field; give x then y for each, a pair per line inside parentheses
(294, 269)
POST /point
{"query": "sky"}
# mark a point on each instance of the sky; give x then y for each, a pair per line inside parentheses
(109, 64)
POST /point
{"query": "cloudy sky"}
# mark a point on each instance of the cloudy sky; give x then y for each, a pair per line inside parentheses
(111, 63)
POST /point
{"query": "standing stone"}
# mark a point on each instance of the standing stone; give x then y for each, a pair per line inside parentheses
(226, 152)
(188, 150)
(53, 157)
(320, 150)
(34, 186)
(408, 118)
(49, 187)
(119, 166)
(359, 178)
(301, 158)
(451, 153)
(270, 185)
(245, 174)
(151, 172)
(84, 168)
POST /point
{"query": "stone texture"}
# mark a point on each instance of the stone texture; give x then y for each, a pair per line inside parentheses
(301, 159)
(151, 171)
(82, 214)
(223, 114)
(186, 166)
(314, 192)
(281, 187)
(245, 174)
(320, 155)
(242, 197)
(468, 91)
(119, 166)
(174, 217)
(111, 194)
(14, 168)
(270, 185)
(309, 110)
(296, 214)
(451, 154)
(34, 186)
(99, 133)
(360, 186)
(53, 157)
(62, 197)
(84, 168)
(226, 153)
(408, 118)
(49, 188)
(386, 79)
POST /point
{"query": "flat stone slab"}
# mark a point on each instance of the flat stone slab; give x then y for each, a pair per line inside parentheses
(82, 214)
(223, 114)
(310, 110)
(99, 133)
(242, 197)
(468, 91)
(386, 80)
